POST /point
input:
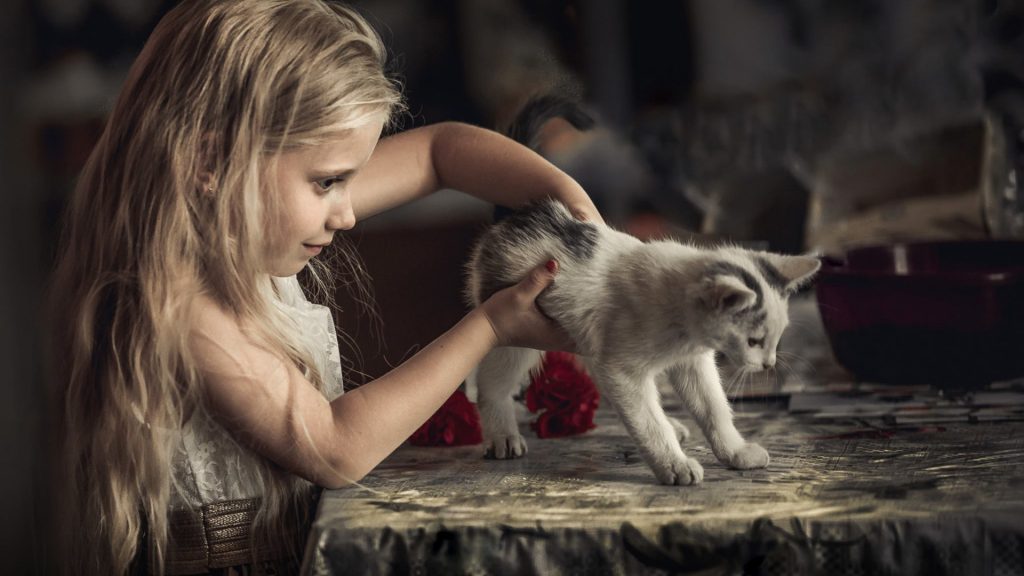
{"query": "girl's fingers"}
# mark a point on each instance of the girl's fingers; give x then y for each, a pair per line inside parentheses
(539, 279)
(586, 213)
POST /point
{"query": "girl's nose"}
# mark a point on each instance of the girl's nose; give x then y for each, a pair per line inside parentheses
(341, 217)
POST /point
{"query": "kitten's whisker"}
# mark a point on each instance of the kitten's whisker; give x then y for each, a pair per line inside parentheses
(796, 357)
(792, 369)
(731, 384)
(748, 379)
(828, 307)
(741, 377)
(784, 364)
(770, 378)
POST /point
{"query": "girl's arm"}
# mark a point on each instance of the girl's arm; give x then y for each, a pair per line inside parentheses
(268, 404)
(480, 162)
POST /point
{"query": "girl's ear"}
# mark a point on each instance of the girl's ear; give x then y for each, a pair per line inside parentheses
(206, 177)
(726, 294)
(206, 182)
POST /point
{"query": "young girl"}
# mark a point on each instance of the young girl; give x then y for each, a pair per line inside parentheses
(200, 392)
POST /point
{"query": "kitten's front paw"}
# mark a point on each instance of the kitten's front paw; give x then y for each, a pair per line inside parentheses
(682, 472)
(682, 432)
(748, 457)
(505, 447)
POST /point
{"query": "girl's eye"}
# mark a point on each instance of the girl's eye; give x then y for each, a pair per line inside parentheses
(326, 184)
(755, 342)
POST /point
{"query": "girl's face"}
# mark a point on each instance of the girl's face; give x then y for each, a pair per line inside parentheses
(315, 198)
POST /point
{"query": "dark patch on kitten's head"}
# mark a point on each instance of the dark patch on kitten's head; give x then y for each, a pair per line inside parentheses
(735, 343)
(534, 222)
(753, 319)
(552, 218)
(771, 275)
(723, 268)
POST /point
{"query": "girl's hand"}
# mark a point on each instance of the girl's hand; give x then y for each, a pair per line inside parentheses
(516, 319)
(578, 202)
(585, 211)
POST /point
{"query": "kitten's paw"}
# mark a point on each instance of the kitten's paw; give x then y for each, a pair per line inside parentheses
(748, 457)
(505, 447)
(682, 432)
(681, 472)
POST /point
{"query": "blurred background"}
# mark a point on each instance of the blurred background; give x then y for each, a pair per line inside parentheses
(793, 125)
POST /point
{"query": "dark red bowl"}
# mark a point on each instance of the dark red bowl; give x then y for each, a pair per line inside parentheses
(944, 313)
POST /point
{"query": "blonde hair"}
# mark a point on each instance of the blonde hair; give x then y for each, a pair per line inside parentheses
(219, 89)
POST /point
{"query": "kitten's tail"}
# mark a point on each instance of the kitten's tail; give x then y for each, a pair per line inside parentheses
(525, 126)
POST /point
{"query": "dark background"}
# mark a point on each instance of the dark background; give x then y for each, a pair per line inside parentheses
(710, 98)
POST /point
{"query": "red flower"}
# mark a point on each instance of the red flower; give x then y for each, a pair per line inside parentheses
(456, 423)
(565, 394)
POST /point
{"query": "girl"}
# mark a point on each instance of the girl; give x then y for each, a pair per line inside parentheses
(199, 389)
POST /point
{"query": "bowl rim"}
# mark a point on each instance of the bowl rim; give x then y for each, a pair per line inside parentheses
(836, 267)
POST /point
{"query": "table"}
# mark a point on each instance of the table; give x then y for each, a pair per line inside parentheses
(947, 501)
(839, 497)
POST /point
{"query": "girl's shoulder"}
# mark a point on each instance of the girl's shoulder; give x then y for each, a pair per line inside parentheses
(207, 315)
(221, 345)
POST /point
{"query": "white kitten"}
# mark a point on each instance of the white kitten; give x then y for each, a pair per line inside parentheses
(637, 312)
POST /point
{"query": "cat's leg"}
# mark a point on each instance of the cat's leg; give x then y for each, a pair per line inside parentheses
(500, 374)
(698, 383)
(635, 397)
(682, 432)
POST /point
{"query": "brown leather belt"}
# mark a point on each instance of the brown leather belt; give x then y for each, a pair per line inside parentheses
(219, 535)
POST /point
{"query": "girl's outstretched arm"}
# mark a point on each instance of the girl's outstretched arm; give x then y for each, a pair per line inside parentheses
(268, 404)
(480, 162)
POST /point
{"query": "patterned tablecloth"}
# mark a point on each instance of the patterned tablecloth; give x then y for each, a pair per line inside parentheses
(840, 496)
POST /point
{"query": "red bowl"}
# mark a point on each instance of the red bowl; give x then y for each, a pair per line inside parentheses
(944, 313)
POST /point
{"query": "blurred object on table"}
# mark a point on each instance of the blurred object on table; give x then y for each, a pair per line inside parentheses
(1002, 72)
(1002, 191)
(925, 188)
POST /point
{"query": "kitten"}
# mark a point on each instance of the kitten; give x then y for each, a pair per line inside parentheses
(638, 312)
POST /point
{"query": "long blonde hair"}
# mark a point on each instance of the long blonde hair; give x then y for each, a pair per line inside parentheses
(219, 88)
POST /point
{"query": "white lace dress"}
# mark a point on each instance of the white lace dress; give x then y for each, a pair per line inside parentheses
(207, 465)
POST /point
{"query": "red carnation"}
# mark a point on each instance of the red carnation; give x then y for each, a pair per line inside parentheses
(566, 396)
(456, 423)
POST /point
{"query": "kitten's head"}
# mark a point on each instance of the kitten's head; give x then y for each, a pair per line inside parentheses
(745, 296)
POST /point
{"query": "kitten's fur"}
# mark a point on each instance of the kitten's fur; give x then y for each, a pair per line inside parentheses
(637, 312)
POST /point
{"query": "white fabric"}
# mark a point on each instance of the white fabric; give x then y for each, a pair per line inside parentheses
(207, 464)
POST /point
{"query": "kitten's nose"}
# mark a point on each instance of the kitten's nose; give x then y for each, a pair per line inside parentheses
(768, 364)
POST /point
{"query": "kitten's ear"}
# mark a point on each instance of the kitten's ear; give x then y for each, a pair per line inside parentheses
(794, 271)
(727, 294)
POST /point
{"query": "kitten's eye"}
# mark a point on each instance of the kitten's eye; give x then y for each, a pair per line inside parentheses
(755, 342)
